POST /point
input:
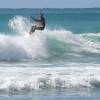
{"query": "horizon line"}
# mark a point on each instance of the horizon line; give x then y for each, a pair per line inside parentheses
(55, 8)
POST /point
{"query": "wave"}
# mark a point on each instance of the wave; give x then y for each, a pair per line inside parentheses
(47, 45)
(20, 24)
(26, 80)
(16, 48)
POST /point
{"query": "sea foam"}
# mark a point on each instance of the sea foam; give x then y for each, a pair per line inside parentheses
(47, 44)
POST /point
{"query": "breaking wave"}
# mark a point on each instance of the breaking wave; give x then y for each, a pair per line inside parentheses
(47, 44)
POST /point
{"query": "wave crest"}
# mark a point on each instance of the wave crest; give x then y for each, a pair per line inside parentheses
(47, 45)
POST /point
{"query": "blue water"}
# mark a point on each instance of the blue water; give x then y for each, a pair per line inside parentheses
(75, 20)
(60, 62)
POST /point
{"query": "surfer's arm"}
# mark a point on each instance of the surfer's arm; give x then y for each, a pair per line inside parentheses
(37, 20)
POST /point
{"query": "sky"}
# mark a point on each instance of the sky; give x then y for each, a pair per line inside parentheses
(49, 3)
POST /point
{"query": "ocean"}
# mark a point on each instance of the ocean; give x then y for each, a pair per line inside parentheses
(61, 62)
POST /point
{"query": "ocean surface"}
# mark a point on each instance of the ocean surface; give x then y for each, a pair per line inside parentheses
(60, 63)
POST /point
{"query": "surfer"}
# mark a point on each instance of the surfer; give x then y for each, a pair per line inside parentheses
(41, 26)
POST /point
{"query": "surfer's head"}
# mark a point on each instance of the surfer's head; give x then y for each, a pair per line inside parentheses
(41, 14)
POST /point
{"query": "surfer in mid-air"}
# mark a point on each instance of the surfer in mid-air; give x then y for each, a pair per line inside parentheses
(41, 26)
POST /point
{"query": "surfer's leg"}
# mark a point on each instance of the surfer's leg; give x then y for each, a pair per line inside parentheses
(32, 29)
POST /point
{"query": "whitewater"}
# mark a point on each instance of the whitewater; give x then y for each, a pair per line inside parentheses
(48, 44)
(55, 61)
(42, 51)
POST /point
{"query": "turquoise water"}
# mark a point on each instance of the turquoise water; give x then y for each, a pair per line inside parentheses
(75, 20)
(60, 62)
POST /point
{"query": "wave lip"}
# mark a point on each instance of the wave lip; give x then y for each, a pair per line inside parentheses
(20, 24)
